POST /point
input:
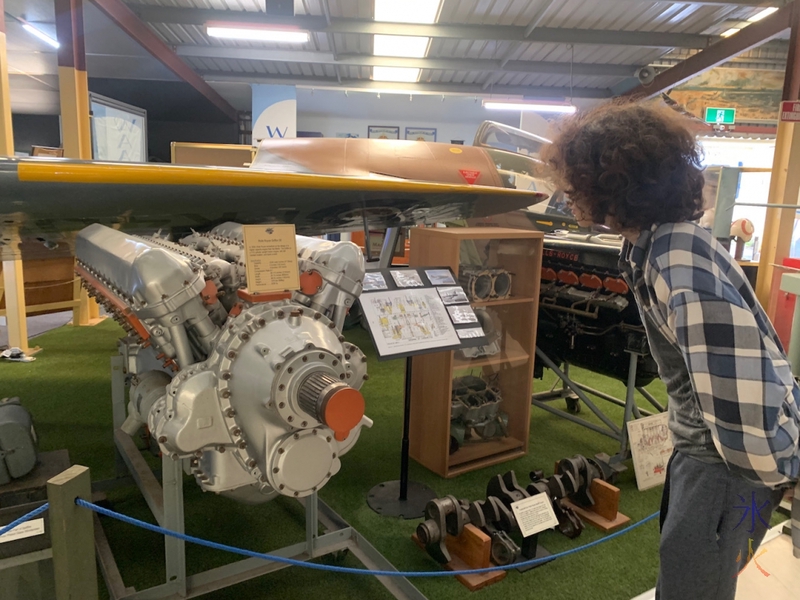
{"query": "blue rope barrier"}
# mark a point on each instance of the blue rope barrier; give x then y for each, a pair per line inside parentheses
(349, 570)
(23, 518)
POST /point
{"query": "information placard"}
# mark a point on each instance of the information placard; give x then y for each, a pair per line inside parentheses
(534, 514)
(271, 252)
(25, 530)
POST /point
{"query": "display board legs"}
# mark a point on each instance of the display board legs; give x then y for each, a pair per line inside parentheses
(577, 394)
(402, 498)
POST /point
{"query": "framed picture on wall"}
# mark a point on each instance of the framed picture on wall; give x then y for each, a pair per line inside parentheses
(421, 134)
(383, 132)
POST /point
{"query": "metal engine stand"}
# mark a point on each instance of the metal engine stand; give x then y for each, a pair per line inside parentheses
(165, 500)
(576, 393)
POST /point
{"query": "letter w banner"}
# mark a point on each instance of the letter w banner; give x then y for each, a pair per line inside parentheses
(274, 112)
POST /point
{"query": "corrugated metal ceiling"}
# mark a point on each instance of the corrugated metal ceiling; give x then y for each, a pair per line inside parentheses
(606, 15)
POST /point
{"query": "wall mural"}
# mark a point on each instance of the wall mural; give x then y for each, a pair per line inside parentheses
(754, 94)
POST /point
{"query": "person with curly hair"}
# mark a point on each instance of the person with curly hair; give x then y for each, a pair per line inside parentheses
(734, 405)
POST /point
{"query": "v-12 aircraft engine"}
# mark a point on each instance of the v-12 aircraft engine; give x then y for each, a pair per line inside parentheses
(587, 314)
(260, 394)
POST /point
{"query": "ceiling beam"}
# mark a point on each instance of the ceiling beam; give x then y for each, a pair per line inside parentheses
(126, 20)
(444, 64)
(411, 88)
(649, 39)
(751, 36)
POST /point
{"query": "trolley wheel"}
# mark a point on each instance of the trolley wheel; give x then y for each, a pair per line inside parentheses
(573, 405)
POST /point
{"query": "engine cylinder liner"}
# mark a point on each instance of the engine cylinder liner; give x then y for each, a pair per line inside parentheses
(484, 284)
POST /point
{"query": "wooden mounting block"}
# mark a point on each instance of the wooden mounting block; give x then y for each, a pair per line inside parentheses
(470, 550)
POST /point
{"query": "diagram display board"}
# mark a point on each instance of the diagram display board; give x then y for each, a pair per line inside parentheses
(119, 130)
(651, 447)
(405, 312)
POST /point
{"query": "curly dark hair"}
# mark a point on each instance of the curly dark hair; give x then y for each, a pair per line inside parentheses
(638, 164)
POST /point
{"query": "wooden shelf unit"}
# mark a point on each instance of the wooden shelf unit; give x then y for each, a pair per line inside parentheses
(520, 252)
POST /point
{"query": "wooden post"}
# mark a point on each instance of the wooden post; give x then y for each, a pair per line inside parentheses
(72, 535)
(13, 285)
(6, 133)
(784, 186)
(73, 84)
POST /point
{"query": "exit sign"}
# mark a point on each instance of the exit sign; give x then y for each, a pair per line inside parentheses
(790, 111)
(721, 116)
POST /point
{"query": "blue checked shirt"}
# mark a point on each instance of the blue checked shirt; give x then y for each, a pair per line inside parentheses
(731, 387)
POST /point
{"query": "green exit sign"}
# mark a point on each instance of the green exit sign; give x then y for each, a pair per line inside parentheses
(721, 116)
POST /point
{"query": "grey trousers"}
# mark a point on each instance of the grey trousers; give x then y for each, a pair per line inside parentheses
(712, 523)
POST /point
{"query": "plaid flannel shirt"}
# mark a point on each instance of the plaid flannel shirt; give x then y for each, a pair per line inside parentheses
(687, 284)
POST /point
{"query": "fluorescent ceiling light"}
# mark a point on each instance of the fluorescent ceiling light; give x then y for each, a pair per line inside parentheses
(40, 34)
(401, 45)
(764, 13)
(404, 74)
(407, 11)
(730, 32)
(526, 106)
(258, 34)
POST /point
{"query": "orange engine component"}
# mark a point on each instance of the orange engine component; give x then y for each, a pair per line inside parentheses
(549, 274)
(591, 281)
(568, 277)
(616, 285)
(310, 282)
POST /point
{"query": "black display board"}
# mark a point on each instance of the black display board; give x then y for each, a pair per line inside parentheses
(409, 312)
(416, 311)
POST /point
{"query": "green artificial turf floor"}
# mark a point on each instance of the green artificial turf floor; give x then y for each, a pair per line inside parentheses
(68, 391)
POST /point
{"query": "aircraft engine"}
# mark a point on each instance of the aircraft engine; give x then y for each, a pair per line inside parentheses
(259, 394)
(587, 314)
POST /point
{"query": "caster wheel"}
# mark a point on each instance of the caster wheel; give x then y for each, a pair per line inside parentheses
(573, 405)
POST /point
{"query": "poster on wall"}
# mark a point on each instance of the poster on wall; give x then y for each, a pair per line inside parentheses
(347, 135)
(383, 132)
(274, 112)
(421, 134)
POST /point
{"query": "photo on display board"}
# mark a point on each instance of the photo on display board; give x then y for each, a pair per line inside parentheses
(421, 134)
(407, 279)
(472, 332)
(440, 276)
(453, 295)
(462, 314)
(374, 281)
(383, 132)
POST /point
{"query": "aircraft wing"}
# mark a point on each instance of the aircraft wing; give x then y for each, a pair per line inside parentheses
(47, 199)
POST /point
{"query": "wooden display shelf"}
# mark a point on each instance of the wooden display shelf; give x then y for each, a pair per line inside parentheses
(511, 357)
(511, 369)
(471, 451)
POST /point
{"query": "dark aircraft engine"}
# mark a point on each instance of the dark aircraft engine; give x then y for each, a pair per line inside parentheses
(259, 393)
(587, 314)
